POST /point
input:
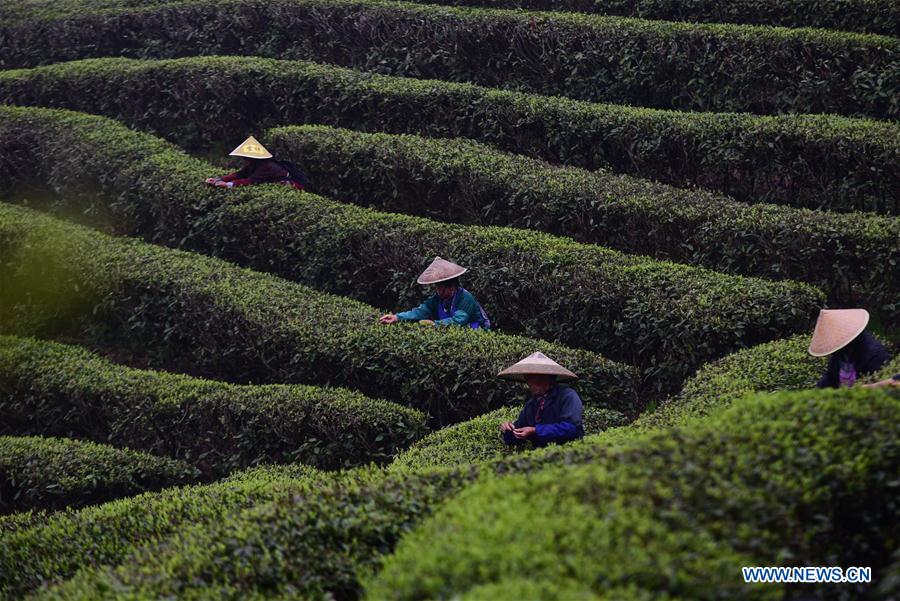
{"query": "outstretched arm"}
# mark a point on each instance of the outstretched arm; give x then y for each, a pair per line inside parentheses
(423, 311)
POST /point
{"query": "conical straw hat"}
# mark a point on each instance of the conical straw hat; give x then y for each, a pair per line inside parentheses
(440, 270)
(537, 364)
(251, 149)
(835, 329)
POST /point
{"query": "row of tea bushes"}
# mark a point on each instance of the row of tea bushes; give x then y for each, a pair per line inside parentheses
(774, 366)
(57, 546)
(54, 389)
(811, 476)
(864, 16)
(611, 59)
(778, 365)
(676, 497)
(805, 160)
(851, 256)
(631, 309)
(479, 439)
(55, 473)
(204, 316)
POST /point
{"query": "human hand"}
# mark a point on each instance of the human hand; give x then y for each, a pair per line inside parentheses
(507, 427)
(388, 319)
(426, 322)
(524, 432)
(211, 180)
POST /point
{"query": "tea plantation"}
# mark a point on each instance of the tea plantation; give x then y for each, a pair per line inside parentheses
(197, 400)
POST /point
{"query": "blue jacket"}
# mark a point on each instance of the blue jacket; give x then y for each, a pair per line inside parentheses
(865, 353)
(560, 419)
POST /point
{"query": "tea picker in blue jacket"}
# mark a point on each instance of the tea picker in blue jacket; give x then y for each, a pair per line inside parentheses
(553, 413)
(450, 305)
(841, 333)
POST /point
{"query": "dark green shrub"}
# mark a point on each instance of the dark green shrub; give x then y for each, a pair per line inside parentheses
(632, 309)
(779, 365)
(54, 473)
(312, 540)
(201, 315)
(612, 59)
(804, 160)
(809, 472)
(52, 389)
(864, 16)
(55, 548)
(478, 439)
(795, 479)
(855, 257)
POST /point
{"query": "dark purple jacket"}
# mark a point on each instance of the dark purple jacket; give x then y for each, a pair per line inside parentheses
(560, 419)
(261, 171)
(865, 353)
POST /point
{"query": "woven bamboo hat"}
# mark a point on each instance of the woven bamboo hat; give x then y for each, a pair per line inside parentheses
(835, 329)
(440, 270)
(537, 364)
(251, 149)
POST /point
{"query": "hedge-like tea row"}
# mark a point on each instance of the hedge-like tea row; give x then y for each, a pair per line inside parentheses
(612, 59)
(105, 535)
(58, 390)
(805, 160)
(631, 309)
(864, 16)
(55, 473)
(778, 365)
(827, 507)
(207, 317)
(479, 440)
(464, 181)
(337, 528)
(810, 476)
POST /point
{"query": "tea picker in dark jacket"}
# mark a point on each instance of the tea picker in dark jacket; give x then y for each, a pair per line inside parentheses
(553, 413)
(853, 352)
(260, 167)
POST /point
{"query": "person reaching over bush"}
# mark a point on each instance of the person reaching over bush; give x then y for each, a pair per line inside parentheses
(854, 352)
(260, 167)
(450, 305)
(554, 413)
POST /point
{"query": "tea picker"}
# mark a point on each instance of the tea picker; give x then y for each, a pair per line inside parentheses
(260, 167)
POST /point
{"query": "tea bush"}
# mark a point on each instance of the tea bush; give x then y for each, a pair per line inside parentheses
(805, 160)
(207, 317)
(799, 478)
(54, 473)
(691, 67)
(479, 439)
(666, 319)
(53, 389)
(57, 547)
(855, 257)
